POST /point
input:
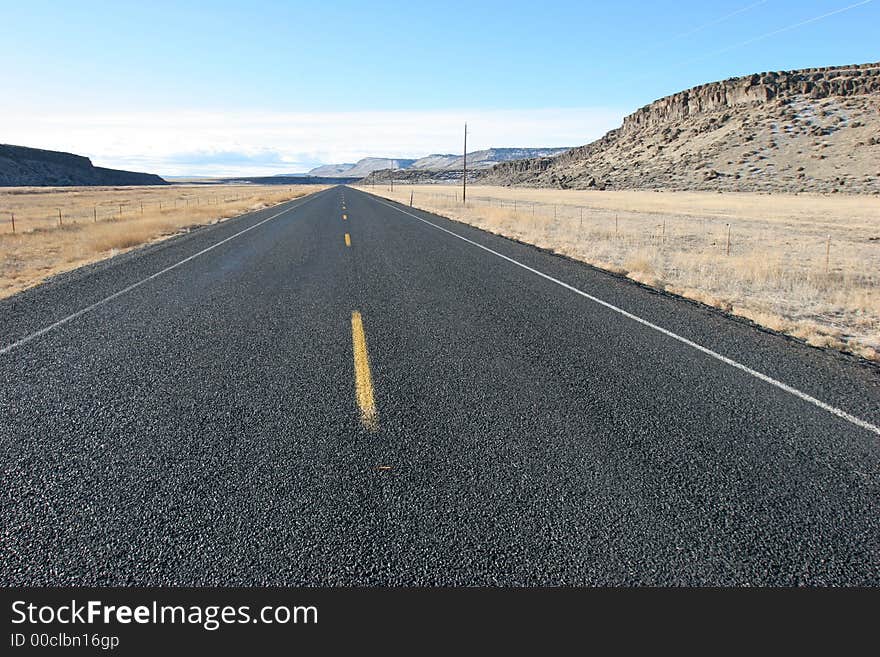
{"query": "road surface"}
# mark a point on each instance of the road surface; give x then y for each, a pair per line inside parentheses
(343, 390)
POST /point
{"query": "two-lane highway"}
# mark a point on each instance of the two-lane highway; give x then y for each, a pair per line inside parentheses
(343, 390)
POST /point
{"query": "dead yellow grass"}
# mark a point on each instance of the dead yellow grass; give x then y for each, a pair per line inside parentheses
(99, 222)
(805, 265)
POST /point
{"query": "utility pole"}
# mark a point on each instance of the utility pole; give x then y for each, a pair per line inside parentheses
(464, 170)
(392, 176)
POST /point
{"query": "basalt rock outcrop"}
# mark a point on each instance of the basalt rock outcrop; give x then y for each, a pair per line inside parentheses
(22, 166)
(812, 130)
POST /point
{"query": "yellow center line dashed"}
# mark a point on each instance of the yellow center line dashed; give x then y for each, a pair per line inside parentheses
(363, 379)
(347, 239)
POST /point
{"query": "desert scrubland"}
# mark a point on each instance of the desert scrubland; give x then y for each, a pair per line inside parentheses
(60, 228)
(806, 265)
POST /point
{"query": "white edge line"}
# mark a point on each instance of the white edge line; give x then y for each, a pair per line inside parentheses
(83, 311)
(714, 354)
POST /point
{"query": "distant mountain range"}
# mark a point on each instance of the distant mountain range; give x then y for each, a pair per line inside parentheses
(23, 166)
(366, 166)
(483, 159)
(331, 170)
(436, 162)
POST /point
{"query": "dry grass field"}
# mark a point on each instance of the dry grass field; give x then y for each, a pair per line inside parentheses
(805, 265)
(100, 222)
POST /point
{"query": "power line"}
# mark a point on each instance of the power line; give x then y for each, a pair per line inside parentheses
(638, 54)
(713, 23)
(780, 30)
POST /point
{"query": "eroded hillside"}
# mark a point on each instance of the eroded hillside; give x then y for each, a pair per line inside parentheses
(815, 130)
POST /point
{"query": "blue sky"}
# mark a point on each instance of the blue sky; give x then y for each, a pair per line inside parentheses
(265, 87)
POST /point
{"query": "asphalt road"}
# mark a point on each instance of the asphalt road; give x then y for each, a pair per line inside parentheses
(227, 419)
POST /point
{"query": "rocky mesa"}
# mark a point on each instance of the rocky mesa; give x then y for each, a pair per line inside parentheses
(810, 130)
(21, 166)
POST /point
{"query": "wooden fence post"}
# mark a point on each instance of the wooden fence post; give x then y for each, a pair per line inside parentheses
(828, 255)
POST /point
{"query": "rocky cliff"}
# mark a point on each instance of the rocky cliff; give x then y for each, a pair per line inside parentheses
(22, 166)
(807, 130)
(759, 88)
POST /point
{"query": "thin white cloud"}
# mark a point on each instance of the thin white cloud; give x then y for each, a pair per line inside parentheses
(237, 143)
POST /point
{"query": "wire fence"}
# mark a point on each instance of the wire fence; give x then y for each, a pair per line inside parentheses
(636, 228)
(825, 254)
(28, 211)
